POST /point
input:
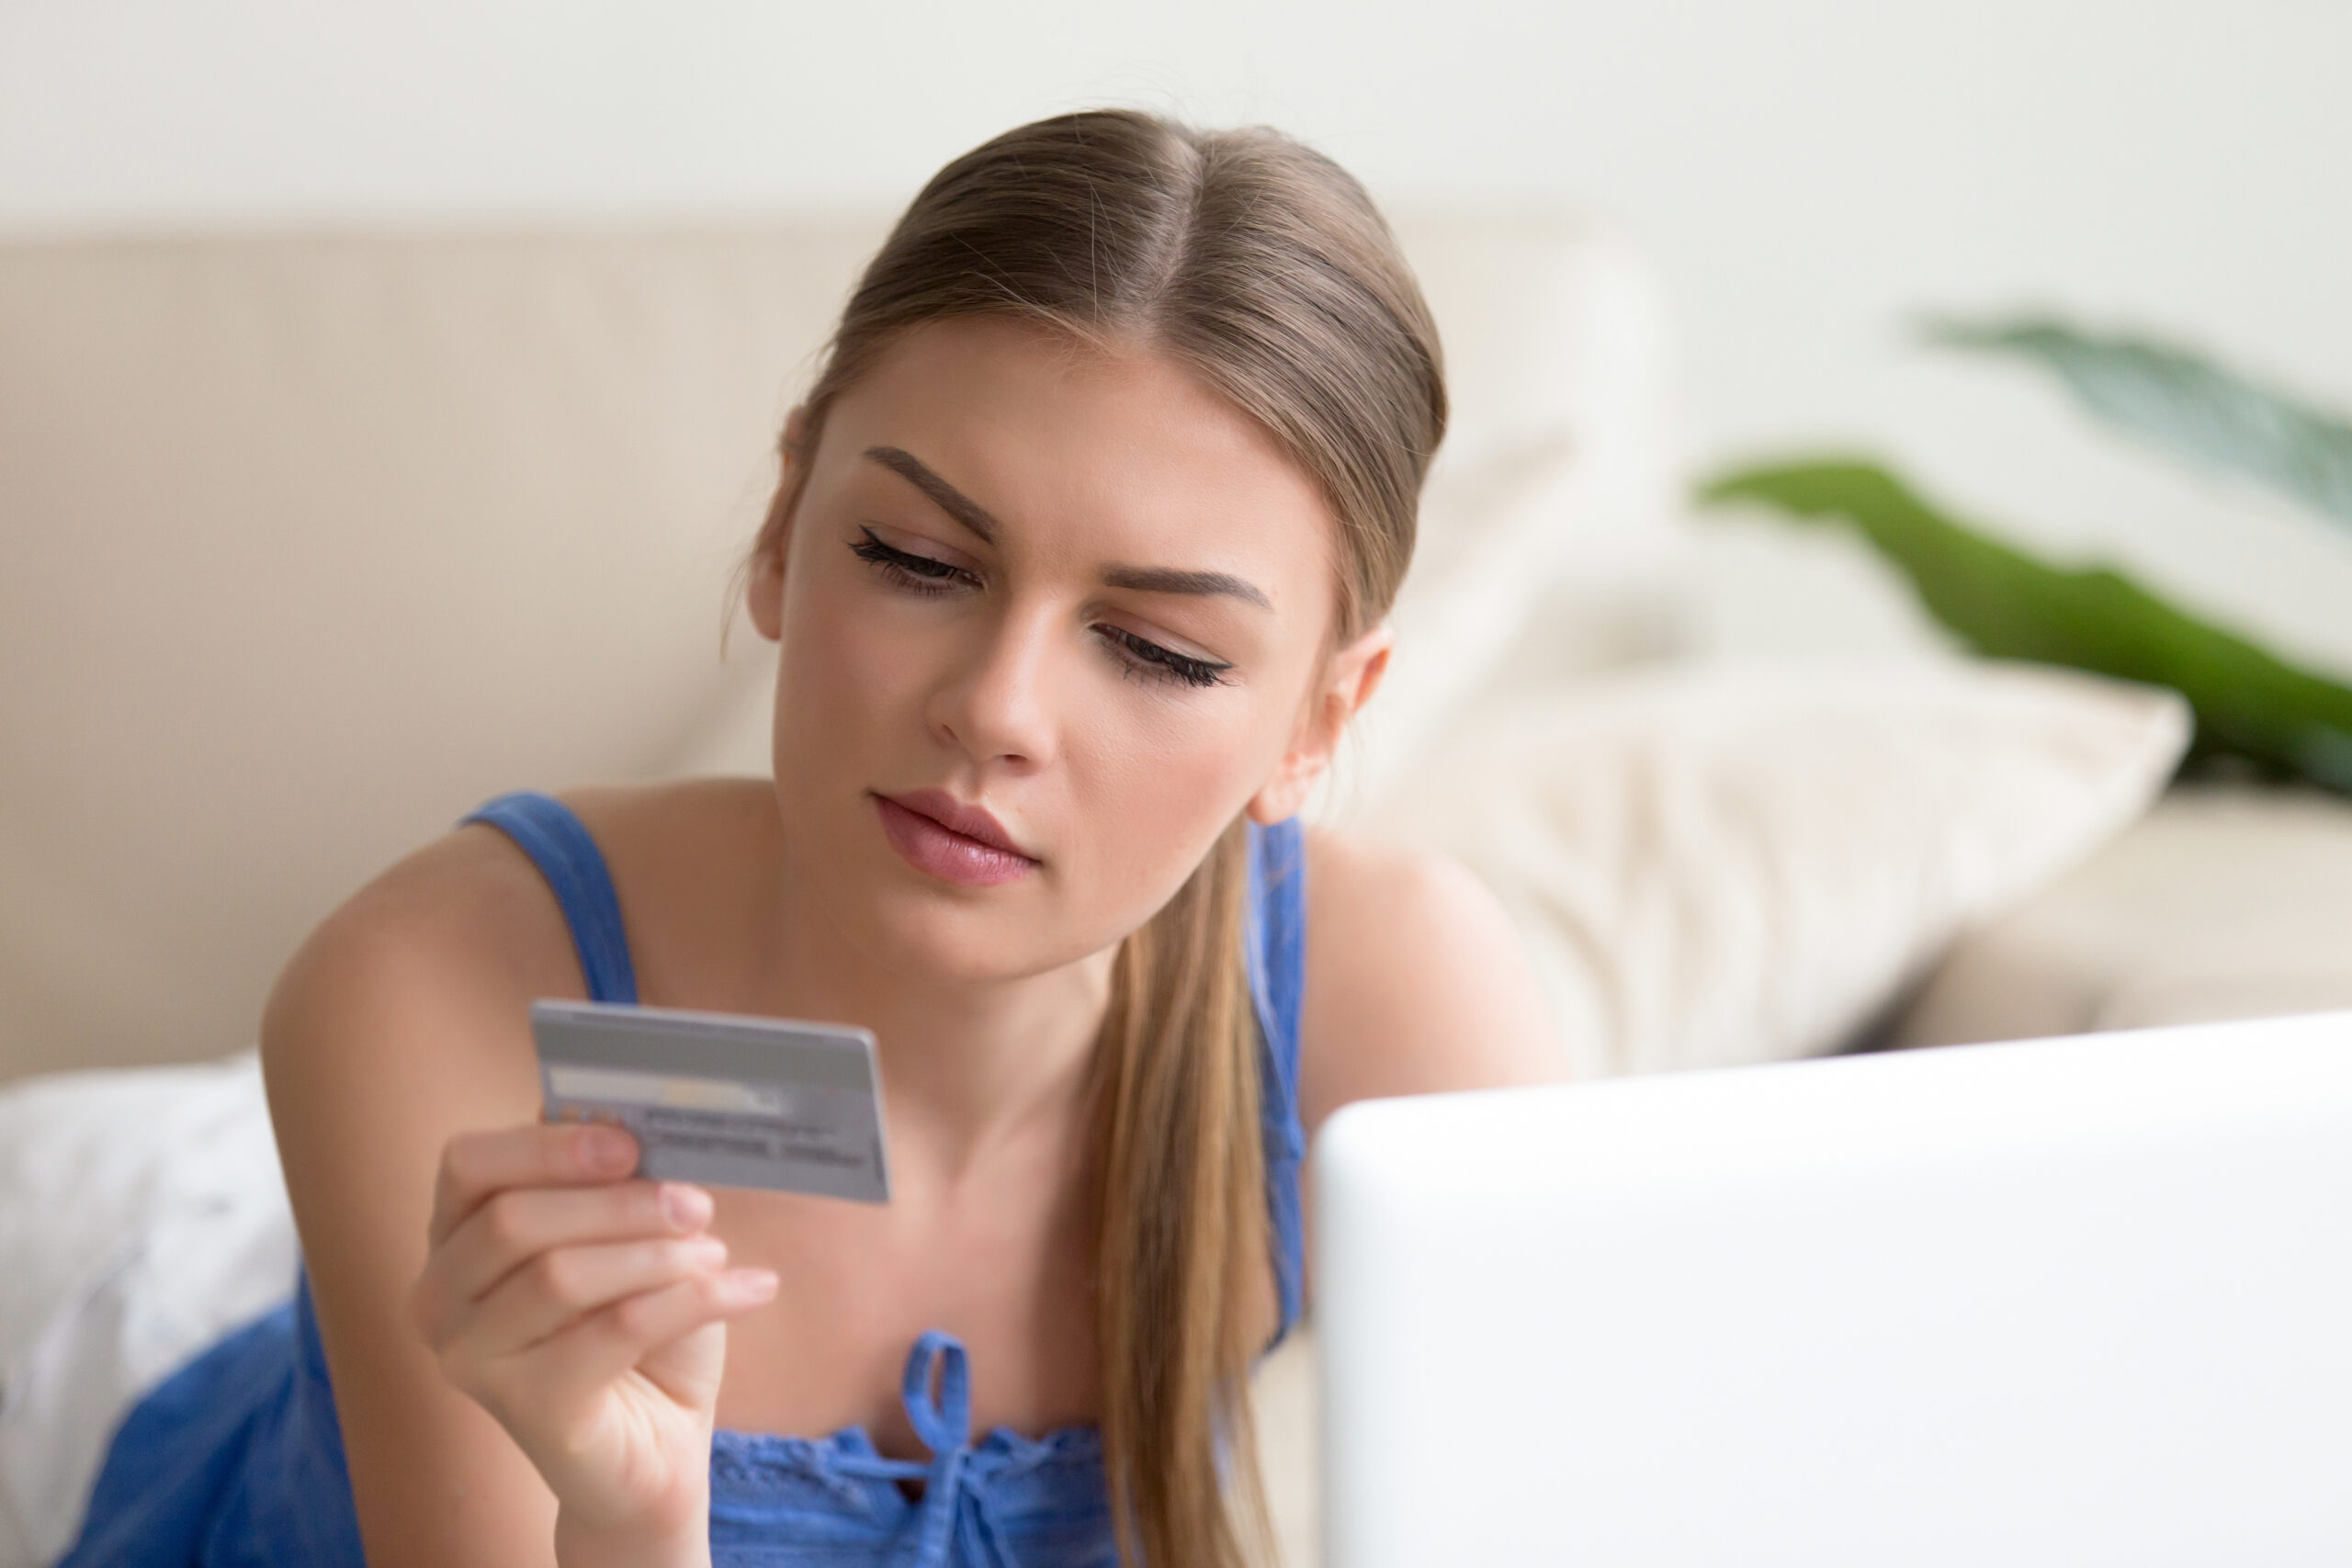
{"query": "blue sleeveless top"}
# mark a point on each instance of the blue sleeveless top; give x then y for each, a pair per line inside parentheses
(236, 1460)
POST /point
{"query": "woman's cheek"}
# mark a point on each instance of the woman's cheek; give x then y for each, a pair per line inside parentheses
(852, 663)
(1165, 785)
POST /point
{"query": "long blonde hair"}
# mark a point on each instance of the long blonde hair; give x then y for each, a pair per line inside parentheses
(1264, 269)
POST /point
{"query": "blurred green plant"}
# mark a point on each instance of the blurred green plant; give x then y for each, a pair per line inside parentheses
(2005, 604)
(2170, 399)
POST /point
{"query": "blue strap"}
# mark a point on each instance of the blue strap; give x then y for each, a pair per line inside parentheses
(1275, 954)
(560, 843)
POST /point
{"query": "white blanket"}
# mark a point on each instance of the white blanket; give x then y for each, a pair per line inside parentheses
(145, 1217)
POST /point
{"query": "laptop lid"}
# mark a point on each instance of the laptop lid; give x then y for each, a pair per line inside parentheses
(2069, 1302)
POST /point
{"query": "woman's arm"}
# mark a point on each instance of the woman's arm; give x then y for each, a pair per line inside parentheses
(454, 1244)
(386, 1034)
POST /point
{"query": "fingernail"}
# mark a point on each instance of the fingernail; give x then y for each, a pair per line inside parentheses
(686, 1208)
(707, 1251)
(607, 1148)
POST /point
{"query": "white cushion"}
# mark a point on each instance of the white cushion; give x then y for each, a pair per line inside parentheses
(2223, 901)
(1715, 865)
(142, 1217)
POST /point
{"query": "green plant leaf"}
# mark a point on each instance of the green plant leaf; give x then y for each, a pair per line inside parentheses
(2006, 605)
(2184, 403)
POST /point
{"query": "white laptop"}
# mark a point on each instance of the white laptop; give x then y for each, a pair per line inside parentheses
(2080, 1302)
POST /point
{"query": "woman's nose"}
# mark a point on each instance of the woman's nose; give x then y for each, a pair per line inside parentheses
(998, 707)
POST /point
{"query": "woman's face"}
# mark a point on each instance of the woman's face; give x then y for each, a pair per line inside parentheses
(1070, 589)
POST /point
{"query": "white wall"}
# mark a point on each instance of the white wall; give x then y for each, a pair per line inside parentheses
(1806, 173)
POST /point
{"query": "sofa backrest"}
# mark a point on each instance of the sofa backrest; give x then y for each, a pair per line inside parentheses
(308, 545)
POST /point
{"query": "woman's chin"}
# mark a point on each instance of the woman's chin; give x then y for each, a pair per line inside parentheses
(946, 941)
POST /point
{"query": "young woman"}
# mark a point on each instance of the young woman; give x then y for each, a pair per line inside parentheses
(1077, 570)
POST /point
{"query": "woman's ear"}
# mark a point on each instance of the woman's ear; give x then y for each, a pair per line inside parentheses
(1353, 675)
(763, 595)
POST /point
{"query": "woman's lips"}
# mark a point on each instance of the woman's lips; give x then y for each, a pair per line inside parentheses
(931, 846)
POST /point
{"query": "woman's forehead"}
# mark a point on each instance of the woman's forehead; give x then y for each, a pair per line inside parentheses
(1084, 449)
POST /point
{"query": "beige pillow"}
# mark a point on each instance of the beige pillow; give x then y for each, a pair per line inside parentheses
(1718, 864)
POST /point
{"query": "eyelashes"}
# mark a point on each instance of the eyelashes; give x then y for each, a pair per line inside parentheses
(919, 574)
(1161, 663)
(1138, 657)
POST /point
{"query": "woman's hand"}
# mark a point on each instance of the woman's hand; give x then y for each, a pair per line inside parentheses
(586, 1312)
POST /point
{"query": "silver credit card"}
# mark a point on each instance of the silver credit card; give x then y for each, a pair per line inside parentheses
(721, 1100)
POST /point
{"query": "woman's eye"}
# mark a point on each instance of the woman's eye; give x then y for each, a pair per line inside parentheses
(1137, 656)
(918, 574)
(1154, 662)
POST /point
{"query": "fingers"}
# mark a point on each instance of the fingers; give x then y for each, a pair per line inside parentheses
(510, 1228)
(475, 1165)
(559, 1287)
(608, 1343)
(531, 1348)
(560, 1296)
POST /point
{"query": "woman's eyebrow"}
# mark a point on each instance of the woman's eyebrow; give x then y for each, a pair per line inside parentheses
(1173, 580)
(950, 500)
(1141, 579)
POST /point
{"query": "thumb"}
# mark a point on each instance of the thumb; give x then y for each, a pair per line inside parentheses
(687, 1370)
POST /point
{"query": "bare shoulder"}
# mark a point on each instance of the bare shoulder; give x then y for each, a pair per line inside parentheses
(1416, 981)
(449, 944)
(453, 932)
(410, 1001)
